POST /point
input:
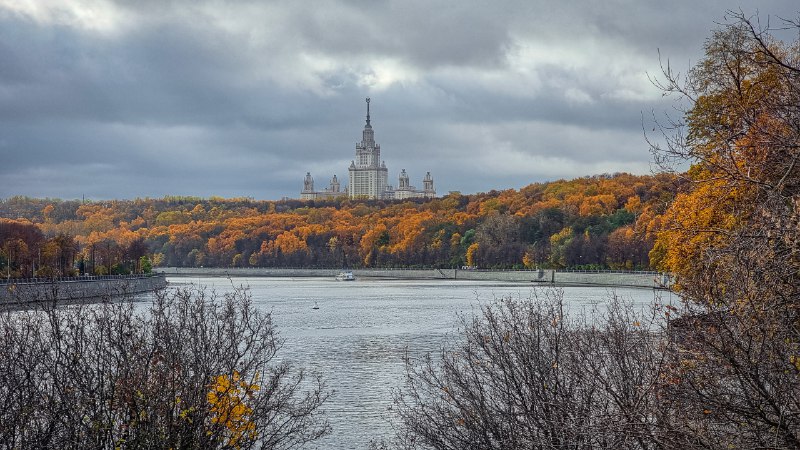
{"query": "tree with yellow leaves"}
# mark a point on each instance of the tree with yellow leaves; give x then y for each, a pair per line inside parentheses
(228, 397)
(733, 242)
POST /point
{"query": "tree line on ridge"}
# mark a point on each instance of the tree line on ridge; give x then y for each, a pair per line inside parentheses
(599, 222)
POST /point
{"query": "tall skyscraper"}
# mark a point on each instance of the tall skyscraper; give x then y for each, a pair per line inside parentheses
(369, 176)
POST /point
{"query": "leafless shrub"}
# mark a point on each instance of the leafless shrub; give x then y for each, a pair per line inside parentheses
(196, 370)
(733, 379)
(527, 375)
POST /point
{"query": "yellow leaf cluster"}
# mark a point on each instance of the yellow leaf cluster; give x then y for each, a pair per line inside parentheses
(226, 396)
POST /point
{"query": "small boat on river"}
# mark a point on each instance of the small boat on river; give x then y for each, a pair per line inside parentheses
(345, 276)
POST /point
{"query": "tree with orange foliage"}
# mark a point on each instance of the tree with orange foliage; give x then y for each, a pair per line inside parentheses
(188, 231)
(733, 241)
(288, 243)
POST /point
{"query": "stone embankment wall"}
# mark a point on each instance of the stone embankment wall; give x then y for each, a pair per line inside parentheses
(622, 279)
(70, 289)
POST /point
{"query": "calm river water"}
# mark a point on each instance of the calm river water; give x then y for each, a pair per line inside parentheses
(362, 329)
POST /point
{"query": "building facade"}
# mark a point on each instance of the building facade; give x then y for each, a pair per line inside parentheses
(368, 176)
(330, 192)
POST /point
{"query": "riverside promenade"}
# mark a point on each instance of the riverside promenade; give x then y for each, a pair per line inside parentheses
(652, 280)
(21, 291)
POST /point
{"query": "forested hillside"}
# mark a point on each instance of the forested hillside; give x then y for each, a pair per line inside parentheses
(603, 221)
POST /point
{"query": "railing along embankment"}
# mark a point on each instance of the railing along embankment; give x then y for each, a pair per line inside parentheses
(32, 290)
(608, 278)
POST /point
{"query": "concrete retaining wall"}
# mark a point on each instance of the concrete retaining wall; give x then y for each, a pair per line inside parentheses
(79, 289)
(622, 279)
(628, 279)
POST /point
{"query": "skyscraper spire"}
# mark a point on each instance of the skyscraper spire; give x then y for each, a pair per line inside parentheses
(368, 176)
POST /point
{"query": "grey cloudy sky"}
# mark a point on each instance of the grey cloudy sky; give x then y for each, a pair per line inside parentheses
(124, 99)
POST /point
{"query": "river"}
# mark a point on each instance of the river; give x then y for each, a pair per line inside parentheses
(357, 337)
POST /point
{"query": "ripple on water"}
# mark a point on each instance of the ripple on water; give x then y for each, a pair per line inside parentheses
(359, 335)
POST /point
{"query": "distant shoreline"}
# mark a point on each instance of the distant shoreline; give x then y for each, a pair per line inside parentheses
(651, 280)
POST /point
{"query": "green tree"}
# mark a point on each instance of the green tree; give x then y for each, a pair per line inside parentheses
(145, 265)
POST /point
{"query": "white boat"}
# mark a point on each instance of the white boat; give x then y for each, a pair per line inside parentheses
(345, 276)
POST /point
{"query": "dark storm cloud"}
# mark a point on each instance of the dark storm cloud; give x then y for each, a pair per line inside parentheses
(427, 35)
(125, 99)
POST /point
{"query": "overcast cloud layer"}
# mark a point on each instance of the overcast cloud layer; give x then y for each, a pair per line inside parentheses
(128, 99)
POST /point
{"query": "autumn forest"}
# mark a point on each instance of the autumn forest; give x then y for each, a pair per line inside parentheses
(599, 222)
